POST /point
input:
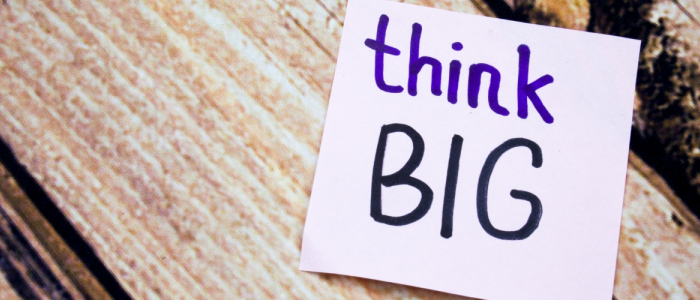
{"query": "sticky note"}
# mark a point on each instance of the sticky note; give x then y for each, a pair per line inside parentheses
(472, 155)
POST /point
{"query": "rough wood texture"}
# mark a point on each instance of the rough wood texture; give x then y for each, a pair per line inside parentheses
(659, 250)
(668, 81)
(180, 138)
(650, 205)
(573, 14)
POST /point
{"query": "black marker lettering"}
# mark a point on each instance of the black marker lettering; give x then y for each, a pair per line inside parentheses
(402, 176)
(451, 186)
(483, 186)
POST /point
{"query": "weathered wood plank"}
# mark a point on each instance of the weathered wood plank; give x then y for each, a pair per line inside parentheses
(659, 250)
(691, 9)
(667, 83)
(180, 138)
(571, 14)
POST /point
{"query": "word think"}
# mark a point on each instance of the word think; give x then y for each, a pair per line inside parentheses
(417, 62)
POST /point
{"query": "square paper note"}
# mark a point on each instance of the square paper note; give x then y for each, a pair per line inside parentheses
(472, 155)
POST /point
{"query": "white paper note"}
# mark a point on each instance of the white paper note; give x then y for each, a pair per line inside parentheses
(472, 155)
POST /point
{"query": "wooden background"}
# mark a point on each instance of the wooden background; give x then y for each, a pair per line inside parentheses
(179, 140)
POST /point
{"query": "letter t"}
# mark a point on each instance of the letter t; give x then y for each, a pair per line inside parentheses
(380, 48)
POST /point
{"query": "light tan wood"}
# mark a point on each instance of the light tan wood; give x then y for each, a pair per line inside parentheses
(6, 291)
(180, 138)
(691, 9)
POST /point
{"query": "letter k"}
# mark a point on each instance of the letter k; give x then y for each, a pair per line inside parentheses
(526, 90)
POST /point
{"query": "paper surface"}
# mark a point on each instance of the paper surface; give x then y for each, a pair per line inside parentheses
(531, 173)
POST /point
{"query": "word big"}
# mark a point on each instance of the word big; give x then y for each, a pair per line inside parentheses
(417, 62)
(403, 176)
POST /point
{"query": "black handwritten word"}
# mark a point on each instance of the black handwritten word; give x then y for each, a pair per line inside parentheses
(416, 63)
(403, 176)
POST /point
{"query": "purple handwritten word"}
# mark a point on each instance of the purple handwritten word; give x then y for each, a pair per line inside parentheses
(417, 62)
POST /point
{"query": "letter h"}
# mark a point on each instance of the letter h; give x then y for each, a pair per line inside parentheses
(416, 63)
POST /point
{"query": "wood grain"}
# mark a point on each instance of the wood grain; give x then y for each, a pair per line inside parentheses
(659, 250)
(180, 139)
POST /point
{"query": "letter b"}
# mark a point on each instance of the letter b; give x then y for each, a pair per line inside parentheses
(402, 176)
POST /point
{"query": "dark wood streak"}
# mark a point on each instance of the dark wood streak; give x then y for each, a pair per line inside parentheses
(59, 222)
(25, 265)
(15, 278)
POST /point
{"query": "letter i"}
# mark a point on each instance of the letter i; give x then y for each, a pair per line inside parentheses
(448, 206)
(455, 67)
